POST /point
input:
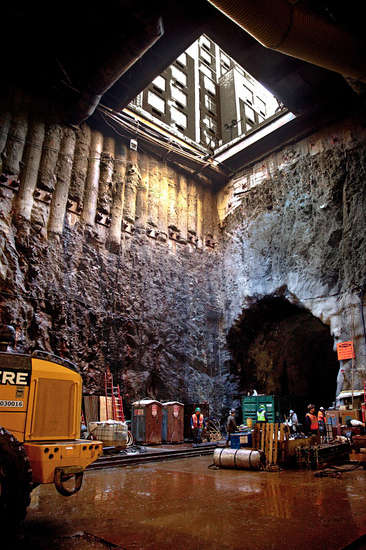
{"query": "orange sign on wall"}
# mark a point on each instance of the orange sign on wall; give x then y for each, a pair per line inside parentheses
(345, 350)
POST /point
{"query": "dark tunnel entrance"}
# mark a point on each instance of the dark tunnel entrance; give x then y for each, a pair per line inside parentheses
(279, 348)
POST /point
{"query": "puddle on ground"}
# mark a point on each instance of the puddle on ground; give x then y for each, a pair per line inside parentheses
(182, 504)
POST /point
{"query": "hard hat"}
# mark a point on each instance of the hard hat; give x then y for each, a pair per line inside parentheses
(321, 408)
(262, 408)
(291, 411)
(197, 410)
(232, 410)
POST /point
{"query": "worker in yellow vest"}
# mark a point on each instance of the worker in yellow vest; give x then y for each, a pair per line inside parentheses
(262, 415)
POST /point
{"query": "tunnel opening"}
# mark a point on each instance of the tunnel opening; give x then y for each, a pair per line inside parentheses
(280, 348)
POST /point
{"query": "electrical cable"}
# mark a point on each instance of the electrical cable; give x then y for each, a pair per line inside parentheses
(334, 471)
(150, 136)
(152, 139)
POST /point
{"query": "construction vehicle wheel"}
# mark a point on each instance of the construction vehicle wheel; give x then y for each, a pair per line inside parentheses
(15, 479)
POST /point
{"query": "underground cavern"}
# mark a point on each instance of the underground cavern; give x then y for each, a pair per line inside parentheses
(165, 224)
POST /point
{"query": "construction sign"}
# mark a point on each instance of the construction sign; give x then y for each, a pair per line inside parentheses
(345, 350)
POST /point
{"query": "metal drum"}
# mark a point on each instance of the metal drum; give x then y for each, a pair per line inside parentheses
(241, 459)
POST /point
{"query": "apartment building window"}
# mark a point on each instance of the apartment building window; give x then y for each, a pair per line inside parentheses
(207, 139)
(261, 106)
(205, 70)
(178, 95)
(206, 56)
(225, 61)
(179, 118)
(210, 123)
(179, 76)
(156, 102)
(248, 95)
(210, 104)
(159, 82)
(138, 100)
(209, 85)
(205, 43)
(182, 59)
(249, 114)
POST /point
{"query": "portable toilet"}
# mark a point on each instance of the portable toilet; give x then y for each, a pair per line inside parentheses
(146, 421)
(173, 422)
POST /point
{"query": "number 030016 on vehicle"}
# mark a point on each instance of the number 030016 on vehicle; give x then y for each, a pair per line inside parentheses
(40, 413)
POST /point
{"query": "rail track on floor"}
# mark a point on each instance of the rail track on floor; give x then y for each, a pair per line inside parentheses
(119, 459)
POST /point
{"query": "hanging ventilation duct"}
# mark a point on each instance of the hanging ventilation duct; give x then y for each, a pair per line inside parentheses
(290, 29)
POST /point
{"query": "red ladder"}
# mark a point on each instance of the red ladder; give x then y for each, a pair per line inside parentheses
(114, 393)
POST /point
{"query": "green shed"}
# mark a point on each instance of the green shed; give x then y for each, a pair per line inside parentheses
(272, 403)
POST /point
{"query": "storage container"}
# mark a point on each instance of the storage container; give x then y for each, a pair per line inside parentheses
(333, 417)
(354, 414)
(172, 422)
(147, 421)
(113, 433)
(272, 404)
(240, 439)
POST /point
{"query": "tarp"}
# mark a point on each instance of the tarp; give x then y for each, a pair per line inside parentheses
(348, 393)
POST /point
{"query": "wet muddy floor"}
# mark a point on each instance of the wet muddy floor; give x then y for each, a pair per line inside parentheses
(182, 504)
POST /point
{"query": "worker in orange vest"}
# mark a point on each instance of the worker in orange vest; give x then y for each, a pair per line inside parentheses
(322, 423)
(311, 421)
(197, 425)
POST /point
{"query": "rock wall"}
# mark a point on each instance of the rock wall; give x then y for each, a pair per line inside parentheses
(104, 260)
(294, 226)
(108, 257)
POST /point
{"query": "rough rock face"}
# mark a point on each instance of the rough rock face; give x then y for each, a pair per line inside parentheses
(110, 262)
(298, 231)
(85, 275)
(147, 313)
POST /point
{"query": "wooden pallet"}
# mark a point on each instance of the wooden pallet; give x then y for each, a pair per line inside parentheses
(272, 440)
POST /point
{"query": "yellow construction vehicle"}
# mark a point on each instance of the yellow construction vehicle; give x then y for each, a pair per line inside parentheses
(40, 412)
